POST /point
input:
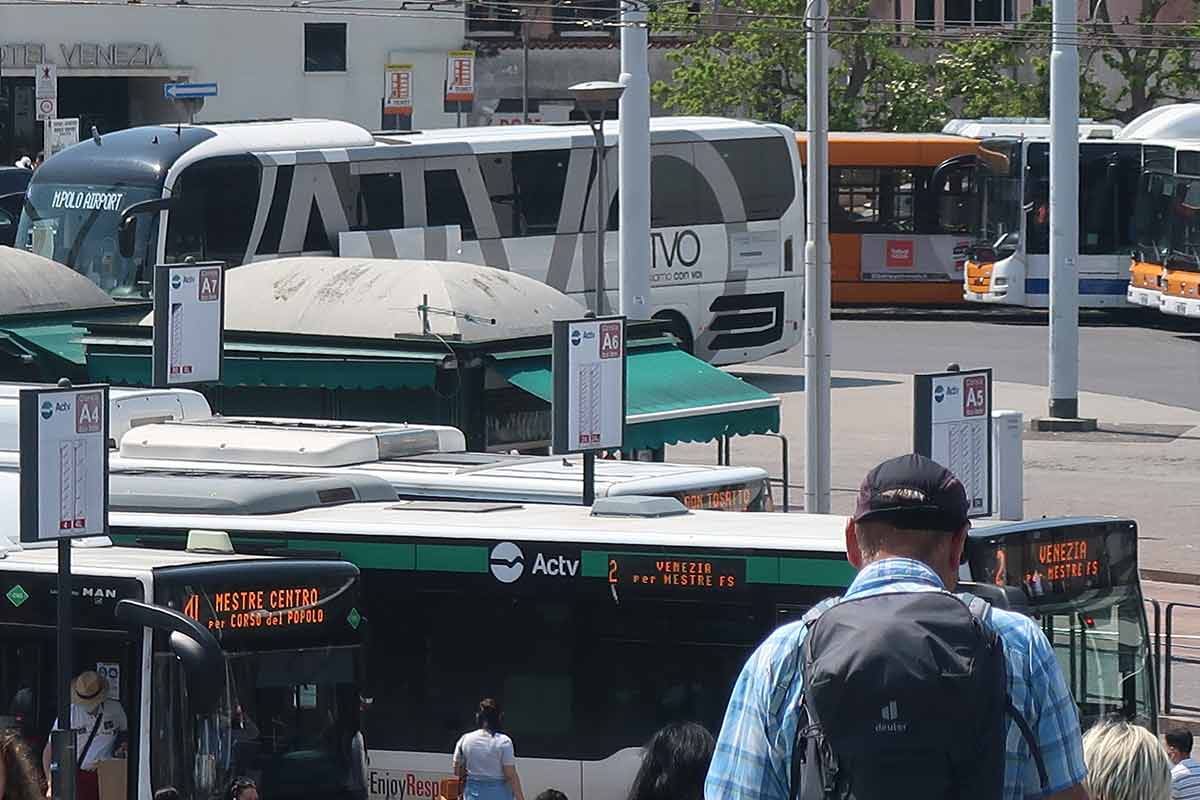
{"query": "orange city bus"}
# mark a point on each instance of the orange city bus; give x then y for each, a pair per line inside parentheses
(900, 216)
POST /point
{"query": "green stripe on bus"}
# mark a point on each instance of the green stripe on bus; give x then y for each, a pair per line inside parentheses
(816, 571)
(595, 565)
(451, 558)
(372, 555)
(762, 569)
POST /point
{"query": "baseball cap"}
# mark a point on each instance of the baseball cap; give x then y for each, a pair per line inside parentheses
(913, 492)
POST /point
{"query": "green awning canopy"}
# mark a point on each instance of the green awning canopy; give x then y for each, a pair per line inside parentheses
(671, 397)
(126, 362)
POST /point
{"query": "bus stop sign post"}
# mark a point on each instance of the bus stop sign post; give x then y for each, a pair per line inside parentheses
(587, 408)
(189, 323)
(952, 418)
(64, 494)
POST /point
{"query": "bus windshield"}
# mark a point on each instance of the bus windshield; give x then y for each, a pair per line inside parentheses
(1184, 250)
(999, 188)
(290, 716)
(1156, 191)
(76, 225)
(1080, 583)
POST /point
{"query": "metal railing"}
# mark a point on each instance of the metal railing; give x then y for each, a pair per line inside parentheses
(1170, 655)
(725, 459)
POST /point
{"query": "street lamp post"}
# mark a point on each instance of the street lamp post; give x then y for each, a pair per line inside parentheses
(593, 98)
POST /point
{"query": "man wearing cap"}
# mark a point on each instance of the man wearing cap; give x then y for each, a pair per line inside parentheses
(100, 727)
(907, 535)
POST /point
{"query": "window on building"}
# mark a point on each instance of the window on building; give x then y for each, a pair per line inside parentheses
(445, 202)
(924, 13)
(491, 18)
(579, 17)
(866, 199)
(324, 47)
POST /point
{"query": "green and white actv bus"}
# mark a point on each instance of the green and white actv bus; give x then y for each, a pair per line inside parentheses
(596, 627)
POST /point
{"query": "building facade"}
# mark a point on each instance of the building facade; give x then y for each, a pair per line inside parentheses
(113, 61)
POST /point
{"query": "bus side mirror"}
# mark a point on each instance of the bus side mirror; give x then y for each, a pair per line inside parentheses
(193, 644)
(127, 230)
(126, 236)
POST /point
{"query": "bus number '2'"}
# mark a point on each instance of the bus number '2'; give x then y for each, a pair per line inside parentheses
(612, 570)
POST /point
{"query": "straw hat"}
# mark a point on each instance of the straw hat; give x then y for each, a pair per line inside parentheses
(89, 690)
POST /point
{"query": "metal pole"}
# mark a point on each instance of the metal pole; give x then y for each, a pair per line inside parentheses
(524, 70)
(633, 165)
(62, 767)
(1064, 214)
(817, 324)
(601, 217)
(589, 478)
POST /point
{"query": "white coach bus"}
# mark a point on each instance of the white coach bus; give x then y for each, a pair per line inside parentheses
(727, 210)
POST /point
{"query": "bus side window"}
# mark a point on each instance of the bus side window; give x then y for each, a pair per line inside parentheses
(540, 178)
(761, 168)
(218, 199)
(871, 200)
(679, 194)
(445, 202)
(380, 202)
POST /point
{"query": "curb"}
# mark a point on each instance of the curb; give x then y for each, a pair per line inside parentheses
(1168, 576)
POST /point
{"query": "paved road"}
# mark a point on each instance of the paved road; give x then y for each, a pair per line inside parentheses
(1160, 364)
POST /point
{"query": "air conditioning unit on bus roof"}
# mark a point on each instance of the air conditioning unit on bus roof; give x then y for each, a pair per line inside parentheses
(287, 442)
(127, 409)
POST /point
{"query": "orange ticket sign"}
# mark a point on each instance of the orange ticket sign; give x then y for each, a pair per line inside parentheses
(460, 76)
(398, 93)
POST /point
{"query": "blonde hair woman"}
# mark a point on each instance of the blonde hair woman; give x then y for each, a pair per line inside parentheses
(1125, 762)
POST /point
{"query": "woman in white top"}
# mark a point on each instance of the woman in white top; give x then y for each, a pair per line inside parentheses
(484, 761)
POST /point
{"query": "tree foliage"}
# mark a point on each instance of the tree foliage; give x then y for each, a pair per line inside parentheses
(750, 62)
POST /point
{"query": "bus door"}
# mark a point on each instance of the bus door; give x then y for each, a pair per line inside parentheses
(29, 658)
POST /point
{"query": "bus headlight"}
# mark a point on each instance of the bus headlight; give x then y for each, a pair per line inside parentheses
(1000, 281)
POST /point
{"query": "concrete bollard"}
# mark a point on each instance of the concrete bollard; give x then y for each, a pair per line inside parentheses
(1008, 465)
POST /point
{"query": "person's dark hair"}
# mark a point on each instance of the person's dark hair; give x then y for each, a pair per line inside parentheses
(551, 794)
(675, 764)
(488, 715)
(240, 785)
(1180, 739)
(23, 778)
(167, 793)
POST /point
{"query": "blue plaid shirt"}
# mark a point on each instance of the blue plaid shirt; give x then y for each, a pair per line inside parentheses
(754, 750)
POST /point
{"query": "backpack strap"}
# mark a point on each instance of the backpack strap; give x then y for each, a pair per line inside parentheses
(800, 744)
(980, 609)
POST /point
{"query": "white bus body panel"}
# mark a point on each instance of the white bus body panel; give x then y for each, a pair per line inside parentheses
(1179, 306)
(1024, 280)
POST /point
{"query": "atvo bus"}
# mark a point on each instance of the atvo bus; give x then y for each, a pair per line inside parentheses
(901, 212)
(199, 648)
(727, 210)
(596, 627)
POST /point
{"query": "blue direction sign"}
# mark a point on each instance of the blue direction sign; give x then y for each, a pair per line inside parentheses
(181, 91)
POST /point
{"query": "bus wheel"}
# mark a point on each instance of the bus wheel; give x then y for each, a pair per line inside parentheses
(678, 327)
